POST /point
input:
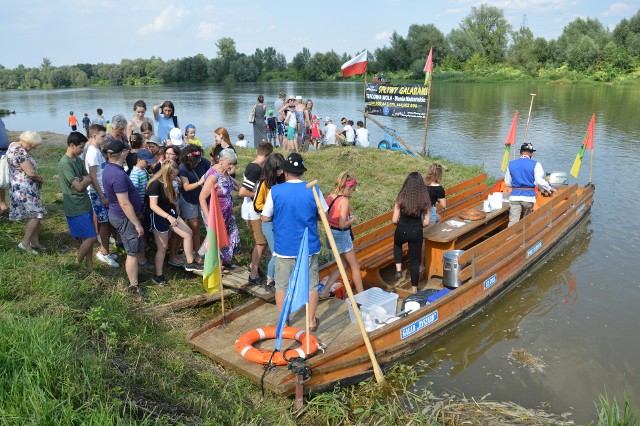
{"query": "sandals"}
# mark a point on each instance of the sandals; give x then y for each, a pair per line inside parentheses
(315, 327)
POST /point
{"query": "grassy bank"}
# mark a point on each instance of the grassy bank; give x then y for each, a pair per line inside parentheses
(75, 348)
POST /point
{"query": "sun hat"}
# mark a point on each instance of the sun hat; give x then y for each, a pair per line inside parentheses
(527, 147)
(294, 164)
(175, 136)
(156, 140)
(146, 155)
(298, 98)
(291, 97)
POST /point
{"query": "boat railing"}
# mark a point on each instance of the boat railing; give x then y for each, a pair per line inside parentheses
(485, 254)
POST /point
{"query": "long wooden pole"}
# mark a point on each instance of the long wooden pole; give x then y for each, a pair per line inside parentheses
(377, 371)
(224, 318)
(426, 121)
(364, 97)
(526, 129)
(387, 131)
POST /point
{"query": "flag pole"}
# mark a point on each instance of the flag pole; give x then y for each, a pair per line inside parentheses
(591, 167)
(343, 274)
(526, 129)
(364, 96)
(224, 318)
(426, 121)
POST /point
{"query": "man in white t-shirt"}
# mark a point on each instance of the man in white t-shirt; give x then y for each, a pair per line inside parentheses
(94, 162)
(347, 132)
(330, 132)
(363, 135)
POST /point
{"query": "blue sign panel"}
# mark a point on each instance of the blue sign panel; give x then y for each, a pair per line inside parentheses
(537, 246)
(490, 281)
(418, 325)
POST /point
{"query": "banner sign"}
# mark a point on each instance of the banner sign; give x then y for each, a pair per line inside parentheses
(407, 101)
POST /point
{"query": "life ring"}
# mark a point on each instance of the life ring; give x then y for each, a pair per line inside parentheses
(244, 345)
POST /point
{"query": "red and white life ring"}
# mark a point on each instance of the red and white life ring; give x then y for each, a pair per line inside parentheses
(244, 345)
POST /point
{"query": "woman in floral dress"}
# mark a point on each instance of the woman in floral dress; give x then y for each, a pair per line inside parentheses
(24, 193)
(218, 176)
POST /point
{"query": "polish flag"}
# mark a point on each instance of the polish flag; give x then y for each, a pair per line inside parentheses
(357, 65)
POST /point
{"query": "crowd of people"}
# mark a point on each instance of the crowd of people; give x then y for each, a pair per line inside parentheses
(129, 184)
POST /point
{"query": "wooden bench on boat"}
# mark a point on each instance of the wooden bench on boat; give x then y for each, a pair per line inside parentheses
(373, 241)
(526, 232)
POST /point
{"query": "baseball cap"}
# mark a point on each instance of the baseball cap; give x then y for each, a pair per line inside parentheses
(327, 119)
(175, 135)
(156, 140)
(146, 155)
(116, 147)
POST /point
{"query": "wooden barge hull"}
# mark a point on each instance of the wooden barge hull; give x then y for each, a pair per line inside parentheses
(494, 265)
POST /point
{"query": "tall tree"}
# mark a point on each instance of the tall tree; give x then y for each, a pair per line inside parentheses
(522, 49)
(421, 38)
(572, 35)
(300, 59)
(491, 28)
(463, 44)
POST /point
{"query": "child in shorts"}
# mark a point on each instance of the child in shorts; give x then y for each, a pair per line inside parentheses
(316, 133)
(272, 125)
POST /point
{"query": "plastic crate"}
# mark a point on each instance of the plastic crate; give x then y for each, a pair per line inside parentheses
(372, 300)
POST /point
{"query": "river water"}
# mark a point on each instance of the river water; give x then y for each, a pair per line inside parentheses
(577, 311)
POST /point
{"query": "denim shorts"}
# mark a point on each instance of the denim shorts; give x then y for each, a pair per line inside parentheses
(342, 239)
(188, 211)
(433, 216)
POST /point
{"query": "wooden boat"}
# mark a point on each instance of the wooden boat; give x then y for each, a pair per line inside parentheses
(493, 258)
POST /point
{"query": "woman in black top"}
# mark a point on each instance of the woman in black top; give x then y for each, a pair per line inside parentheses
(162, 216)
(410, 214)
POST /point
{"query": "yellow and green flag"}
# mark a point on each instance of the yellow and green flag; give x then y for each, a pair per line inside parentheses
(511, 139)
(217, 238)
(587, 145)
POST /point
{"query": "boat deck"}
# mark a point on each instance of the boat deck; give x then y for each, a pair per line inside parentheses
(335, 330)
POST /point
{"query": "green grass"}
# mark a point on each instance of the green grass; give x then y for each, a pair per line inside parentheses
(75, 348)
(610, 414)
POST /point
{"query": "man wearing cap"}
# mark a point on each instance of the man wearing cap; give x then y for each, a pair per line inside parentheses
(287, 112)
(95, 162)
(330, 132)
(523, 175)
(125, 208)
(277, 106)
(155, 145)
(74, 181)
(292, 208)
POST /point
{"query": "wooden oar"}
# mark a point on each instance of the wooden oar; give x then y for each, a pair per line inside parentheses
(376, 367)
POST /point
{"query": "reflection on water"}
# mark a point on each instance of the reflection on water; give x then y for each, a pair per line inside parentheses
(578, 311)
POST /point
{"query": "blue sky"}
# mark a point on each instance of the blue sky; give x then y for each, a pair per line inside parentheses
(91, 31)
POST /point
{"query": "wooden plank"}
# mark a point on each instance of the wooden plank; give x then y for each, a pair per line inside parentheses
(452, 190)
(462, 196)
(490, 258)
(472, 237)
(492, 243)
(372, 223)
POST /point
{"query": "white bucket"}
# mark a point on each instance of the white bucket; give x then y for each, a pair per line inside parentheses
(495, 201)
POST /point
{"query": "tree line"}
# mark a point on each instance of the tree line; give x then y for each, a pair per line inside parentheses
(484, 44)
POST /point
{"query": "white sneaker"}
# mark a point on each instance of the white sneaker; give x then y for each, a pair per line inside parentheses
(113, 256)
(105, 258)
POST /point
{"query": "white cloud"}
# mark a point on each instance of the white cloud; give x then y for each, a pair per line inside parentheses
(617, 9)
(168, 20)
(208, 30)
(382, 36)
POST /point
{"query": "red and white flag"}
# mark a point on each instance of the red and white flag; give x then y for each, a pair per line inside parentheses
(357, 65)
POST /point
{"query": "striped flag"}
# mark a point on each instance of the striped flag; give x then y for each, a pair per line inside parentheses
(428, 67)
(216, 238)
(357, 65)
(511, 139)
(587, 145)
(298, 291)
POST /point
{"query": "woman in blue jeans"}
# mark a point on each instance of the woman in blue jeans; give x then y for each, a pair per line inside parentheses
(410, 213)
(272, 174)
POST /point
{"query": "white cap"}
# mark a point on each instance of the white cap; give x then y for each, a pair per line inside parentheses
(175, 135)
